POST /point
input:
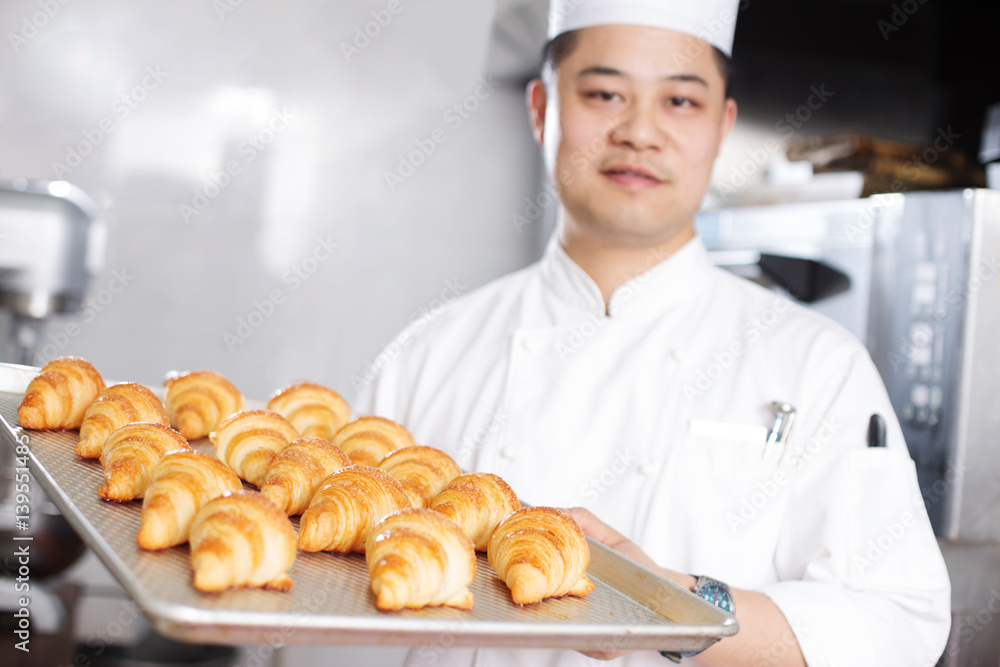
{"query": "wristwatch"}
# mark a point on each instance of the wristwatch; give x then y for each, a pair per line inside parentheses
(713, 591)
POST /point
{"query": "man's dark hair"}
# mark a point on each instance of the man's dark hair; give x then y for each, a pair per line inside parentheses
(560, 48)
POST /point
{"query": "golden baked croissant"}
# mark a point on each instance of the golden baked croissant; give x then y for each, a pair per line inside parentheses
(368, 440)
(418, 558)
(118, 405)
(345, 508)
(181, 483)
(60, 394)
(540, 552)
(241, 539)
(198, 401)
(423, 472)
(477, 502)
(248, 442)
(313, 409)
(298, 470)
(130, 455)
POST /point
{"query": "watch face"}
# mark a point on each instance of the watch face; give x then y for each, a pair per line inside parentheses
(718, 595)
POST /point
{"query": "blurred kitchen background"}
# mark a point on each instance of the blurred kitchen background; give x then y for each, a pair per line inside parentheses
(278, 189)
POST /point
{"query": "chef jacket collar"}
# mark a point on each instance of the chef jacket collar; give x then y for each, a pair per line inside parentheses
(667, 281)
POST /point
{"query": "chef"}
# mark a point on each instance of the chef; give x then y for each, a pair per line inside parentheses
(718, 430)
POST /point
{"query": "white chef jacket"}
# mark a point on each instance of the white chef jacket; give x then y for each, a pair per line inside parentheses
(654, 417)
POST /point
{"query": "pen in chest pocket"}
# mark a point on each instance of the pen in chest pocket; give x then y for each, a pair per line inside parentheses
(784, 415)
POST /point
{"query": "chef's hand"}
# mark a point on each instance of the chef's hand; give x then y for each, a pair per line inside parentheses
(610, 537)
(762, 625)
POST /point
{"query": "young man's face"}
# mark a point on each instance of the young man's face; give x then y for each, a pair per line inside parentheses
(630, 126)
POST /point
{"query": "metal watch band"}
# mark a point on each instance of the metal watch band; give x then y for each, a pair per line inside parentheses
(711, 590)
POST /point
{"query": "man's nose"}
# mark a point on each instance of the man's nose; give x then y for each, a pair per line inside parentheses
(638, 128)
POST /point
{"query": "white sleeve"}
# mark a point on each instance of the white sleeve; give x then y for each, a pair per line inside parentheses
(863, 579)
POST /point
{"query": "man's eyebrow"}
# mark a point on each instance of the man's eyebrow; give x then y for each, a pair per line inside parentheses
(601, 70)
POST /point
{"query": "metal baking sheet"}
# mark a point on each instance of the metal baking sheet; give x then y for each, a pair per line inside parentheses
(332, 603)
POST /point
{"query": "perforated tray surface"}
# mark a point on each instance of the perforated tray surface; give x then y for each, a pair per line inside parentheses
(331, 601)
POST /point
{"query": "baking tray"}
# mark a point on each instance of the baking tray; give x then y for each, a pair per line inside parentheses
(332, 603)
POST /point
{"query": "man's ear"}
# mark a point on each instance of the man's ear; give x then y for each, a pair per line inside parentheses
(535, 96)
(728, 116)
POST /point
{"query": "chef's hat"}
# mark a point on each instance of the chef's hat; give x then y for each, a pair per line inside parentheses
(713, 21)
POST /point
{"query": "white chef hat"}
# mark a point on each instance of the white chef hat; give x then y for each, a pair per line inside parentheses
(713, 21)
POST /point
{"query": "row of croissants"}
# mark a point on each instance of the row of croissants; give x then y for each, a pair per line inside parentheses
(360, 486)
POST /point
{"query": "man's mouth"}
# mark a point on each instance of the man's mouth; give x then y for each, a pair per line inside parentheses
(631, 176)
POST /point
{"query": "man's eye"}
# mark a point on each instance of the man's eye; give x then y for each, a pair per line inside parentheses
(679, 101)
(603, 95)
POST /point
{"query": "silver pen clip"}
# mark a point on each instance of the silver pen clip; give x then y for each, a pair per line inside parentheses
(784, 415)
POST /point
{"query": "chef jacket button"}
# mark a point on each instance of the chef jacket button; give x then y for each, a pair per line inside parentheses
(508, 452)
(647, 469)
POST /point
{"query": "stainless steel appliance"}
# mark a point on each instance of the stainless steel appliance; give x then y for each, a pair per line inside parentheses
(923, 294)
(52, 241)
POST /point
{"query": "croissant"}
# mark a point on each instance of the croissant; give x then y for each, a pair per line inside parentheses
(248, 442)
(241, 539)
(368, 440)
(540, 552)
(298, 470)
(477, 502)
(313, 410)
(130, 455)
(418, 558)
(423, 472)
(118, 405)
(181, 484)
(345, 508)
(60, 394)
(198, 401)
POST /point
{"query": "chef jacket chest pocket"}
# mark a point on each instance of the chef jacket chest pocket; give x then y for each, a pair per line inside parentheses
(725, 479)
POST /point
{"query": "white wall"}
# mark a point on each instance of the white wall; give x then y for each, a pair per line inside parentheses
(225, 71)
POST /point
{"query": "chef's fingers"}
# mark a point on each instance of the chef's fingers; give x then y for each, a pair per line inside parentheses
(610, 537)
(604, 655)
(596, 528)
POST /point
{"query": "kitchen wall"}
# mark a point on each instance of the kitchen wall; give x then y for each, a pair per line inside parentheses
(284, 192)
